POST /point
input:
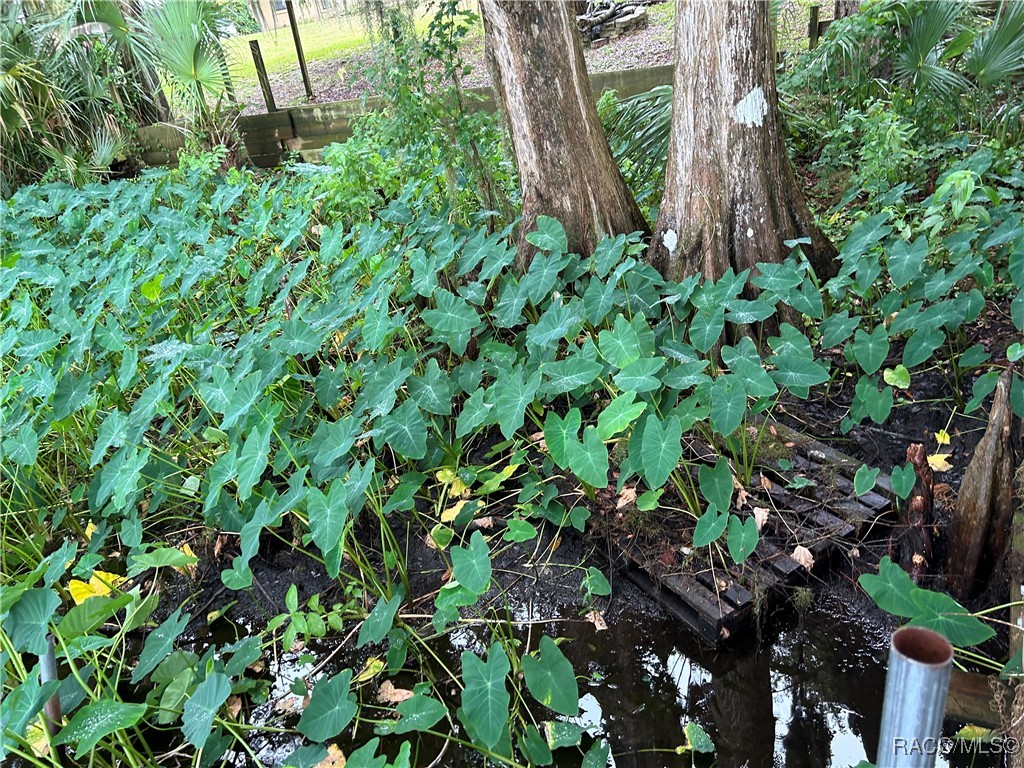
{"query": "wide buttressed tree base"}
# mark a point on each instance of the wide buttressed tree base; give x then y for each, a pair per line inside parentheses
(731, 197)
(566, 169)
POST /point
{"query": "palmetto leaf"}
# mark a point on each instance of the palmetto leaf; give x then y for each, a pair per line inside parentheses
(998, 52)
(919, 59)
(640, 131)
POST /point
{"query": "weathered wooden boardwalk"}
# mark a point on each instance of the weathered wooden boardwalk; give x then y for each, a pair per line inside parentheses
(713, 596)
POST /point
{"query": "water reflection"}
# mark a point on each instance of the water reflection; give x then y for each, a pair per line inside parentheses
(807, 696)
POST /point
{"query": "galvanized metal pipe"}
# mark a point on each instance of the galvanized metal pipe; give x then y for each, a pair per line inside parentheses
(920, 663)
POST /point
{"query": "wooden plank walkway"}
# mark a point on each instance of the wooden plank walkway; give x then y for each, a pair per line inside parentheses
(715, 600)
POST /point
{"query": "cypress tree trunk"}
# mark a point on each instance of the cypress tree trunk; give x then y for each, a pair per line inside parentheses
(731, 197)
(566, 169)
(843, 8)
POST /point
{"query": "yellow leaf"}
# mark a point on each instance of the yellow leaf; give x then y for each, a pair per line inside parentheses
(335, 758)
(448, 476)
(90, 529)
(453, 511)
(100, 584)
(373, 667)
(190, 569)
(938, 462)
(942, 437)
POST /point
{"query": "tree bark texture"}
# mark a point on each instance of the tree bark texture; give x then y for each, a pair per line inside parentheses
(566, 169)
(731, 197)
(915, 545)
(843, 8)
(982, 520)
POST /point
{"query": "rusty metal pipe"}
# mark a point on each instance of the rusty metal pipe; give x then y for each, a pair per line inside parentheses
(920, 664)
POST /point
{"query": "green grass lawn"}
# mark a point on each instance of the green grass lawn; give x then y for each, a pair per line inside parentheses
(322, 39)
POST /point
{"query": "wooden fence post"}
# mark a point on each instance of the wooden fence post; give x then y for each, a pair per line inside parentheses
(261, 73)
(813, 28)
(294, 24)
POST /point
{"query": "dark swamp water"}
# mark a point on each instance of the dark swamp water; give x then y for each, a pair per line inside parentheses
(802, 689)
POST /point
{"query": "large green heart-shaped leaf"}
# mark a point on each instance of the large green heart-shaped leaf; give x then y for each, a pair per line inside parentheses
(890, 588)
(331, 707)
(621, 345)
(728, 405)
(871, 349)
(485, 699)
(903, 479)
(640, 375)
(742, 538)
(905, 260)
(27, 623)
(23, 446)
(710, 527)
(716, 483)
(837, 328)
(941, 613)
(660, 449)
(864, 479)
(589, 460)
(621, 413)
(452, 320)
(706, 328)
(559, 433)
(159, 644)
(377, 625)
(569, 374)
(96, 721)
(550, 679)
(864, 235)
(433, 390)
(471, 566)
(549, 235)
(202, 706)
(515, 392)
(419, 714)
(328, 514)
(405, 430)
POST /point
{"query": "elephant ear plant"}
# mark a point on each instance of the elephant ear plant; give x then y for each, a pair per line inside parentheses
(177, 368)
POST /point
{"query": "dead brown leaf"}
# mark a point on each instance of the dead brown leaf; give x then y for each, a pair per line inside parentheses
(802, 555)
(760, 517)
(627, 497)
(597, 619)
(388, 694)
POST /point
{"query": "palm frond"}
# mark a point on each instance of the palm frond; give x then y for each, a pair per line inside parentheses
(919, 60)
(640, 130)
(998, 52)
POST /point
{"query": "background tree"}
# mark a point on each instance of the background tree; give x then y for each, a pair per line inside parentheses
(731, 198)
(565, 167)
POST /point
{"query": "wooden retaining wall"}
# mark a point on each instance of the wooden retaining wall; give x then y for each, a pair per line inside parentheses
(308, 129)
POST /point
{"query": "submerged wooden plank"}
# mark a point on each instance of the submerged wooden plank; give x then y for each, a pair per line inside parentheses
(972, 696)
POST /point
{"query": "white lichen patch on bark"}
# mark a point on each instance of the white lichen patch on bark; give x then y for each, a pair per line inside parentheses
(671, 240)
(752, 108)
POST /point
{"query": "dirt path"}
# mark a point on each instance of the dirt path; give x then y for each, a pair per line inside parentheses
(345, 77)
